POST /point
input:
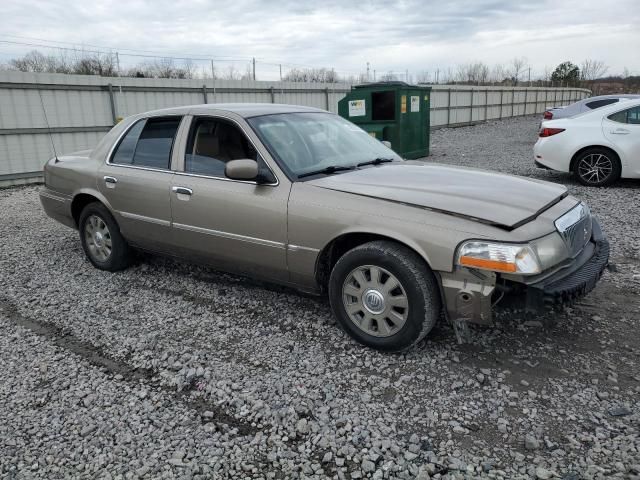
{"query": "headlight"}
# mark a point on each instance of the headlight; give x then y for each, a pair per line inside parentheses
(499, 257)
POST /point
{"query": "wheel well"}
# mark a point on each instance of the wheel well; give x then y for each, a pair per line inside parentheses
(584, 149)
(330, 254)
(79, 202)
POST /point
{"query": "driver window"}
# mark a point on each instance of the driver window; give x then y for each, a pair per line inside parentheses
(212, 143)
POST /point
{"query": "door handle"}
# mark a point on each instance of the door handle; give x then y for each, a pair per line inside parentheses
(182, 191)
(620, 131)
(110, 182)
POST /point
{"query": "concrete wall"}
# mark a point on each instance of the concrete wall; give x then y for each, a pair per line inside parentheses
(81, 109)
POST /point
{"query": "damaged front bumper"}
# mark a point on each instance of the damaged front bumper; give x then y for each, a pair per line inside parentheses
(469, 295)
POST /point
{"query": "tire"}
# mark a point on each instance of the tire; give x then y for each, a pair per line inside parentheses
(597, 167)
(372, 312)
(102, 242)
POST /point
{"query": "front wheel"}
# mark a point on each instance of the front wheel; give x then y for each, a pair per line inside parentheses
(597, 167)
(102, 242)
(384, 295)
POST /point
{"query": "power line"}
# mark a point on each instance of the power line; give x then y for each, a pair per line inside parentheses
(153, 54)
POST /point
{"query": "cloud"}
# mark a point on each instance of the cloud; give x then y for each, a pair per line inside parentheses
(391, 35)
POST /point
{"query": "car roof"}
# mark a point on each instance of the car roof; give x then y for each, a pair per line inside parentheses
(245, 110)
(609, 109)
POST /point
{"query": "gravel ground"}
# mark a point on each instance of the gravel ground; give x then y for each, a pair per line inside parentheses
(175, 371)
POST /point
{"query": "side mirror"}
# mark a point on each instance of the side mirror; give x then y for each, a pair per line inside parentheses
(244, 169)
(386, 143)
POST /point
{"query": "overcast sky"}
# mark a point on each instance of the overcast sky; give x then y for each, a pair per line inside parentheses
(391, 35)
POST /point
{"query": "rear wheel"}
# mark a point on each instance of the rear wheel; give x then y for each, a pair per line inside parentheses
(102, 242)
(597, 167)
(384, 295)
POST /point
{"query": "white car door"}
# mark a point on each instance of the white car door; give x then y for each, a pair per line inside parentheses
(623, 130)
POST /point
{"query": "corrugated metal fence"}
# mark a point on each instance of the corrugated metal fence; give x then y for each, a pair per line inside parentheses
(81, 109)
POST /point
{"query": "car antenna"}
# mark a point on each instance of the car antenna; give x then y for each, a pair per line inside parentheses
(46, 120)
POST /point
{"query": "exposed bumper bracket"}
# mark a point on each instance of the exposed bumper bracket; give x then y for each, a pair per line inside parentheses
(467, 296)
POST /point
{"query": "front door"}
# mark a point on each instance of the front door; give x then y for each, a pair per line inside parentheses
(623, 130)
(235, 225)
(137, 179)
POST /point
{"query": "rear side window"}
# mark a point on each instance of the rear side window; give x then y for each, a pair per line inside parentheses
(148, 143)
(631, 115)
(601, 103)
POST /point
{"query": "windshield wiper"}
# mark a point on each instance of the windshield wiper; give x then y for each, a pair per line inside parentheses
(327, 170)
(375, 161)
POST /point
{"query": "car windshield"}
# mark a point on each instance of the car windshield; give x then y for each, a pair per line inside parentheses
(307, 142)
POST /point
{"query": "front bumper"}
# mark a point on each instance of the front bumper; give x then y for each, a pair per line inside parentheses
(568, 285)
(470, 295)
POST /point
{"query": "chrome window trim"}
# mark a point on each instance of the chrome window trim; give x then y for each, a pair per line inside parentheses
(195, 116)
(231, 236)
(225, 179)
(142, 218)
(126, 130)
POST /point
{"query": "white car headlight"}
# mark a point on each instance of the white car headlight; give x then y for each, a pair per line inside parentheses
(499, 257)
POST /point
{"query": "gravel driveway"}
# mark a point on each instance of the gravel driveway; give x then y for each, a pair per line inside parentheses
(175, 371)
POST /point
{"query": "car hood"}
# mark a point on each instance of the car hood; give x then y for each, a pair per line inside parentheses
(502, 200)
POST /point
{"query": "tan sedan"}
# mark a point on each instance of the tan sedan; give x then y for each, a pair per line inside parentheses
(302, 197)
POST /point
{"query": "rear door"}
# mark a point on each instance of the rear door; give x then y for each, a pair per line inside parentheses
(235, 225)
(136, 180)
(623, 130)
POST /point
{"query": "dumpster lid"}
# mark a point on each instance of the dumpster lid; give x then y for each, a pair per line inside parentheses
(389, 83)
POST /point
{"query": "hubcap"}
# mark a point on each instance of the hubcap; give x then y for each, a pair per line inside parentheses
(375, 300)
(97, 238)
(595, 167)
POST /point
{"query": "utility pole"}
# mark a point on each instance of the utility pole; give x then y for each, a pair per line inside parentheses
(118, 62)
(407, 74)
(374, 74)
(213, 71)
(254, 68)
(437, 75)
(367, 71)
(529, 76)
(280, 72)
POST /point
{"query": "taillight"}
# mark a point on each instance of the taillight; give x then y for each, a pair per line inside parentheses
(547, 115)
(547, 132)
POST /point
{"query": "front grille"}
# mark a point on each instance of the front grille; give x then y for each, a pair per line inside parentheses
(575, 228)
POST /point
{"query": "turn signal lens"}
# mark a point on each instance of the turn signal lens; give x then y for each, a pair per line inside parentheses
(548, 132)
(488, 264)
(498, 257)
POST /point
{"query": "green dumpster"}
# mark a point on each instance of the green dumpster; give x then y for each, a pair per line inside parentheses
(393, 111)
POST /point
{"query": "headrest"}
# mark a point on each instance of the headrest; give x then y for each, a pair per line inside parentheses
(207, 145)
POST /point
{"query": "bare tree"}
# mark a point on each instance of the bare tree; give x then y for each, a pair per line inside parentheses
(423, 77)
(323, 75)
(388, 77)
(592, 69)
(472, 73)
(498, 73)
(518, 65)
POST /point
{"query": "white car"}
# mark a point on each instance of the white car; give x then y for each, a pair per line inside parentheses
(586, 105)
(599, 147)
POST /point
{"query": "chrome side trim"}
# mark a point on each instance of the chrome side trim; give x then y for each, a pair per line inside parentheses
(232, 236)
(142, 218)
(53, 197)
(295, 248)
